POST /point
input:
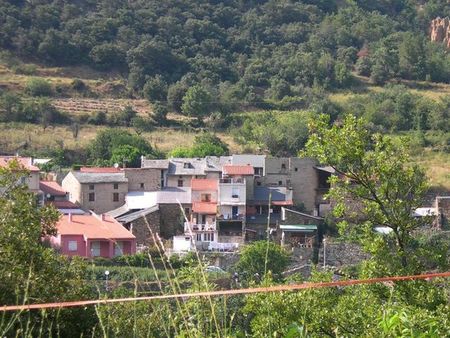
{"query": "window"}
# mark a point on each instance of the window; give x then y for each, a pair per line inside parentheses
(209, 237)
(95, 249)
(116, 186)
(72, 245)
(206, 197)
(142, 185)
(235, 193)
(91, 196)
(186, 211)
(259, 171)
(283, 165)
(296, 169)
(186, 165)
(91, 187)
(280, 182)
(199, 237)
(118, 249)
(116, 197)
(180, 183)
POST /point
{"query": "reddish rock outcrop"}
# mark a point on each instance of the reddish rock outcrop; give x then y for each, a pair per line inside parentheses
(440, 30)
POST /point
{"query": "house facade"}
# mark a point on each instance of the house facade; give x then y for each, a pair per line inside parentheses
(96, 191)
(32, 179)
(91, 235)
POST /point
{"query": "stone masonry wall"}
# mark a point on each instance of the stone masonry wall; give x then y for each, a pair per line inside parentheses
(172, 222)
(342, 253)
(150, 179)
(140, 228)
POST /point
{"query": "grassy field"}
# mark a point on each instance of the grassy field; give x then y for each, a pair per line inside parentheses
(14, 136)
(363, 87)
(437, 166)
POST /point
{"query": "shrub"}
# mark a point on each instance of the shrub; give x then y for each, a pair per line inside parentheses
(253, 260)
(25, 69)
(38, 87)
(78, 85)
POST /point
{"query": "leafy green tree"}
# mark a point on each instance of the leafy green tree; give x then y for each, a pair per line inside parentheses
(126, 155)
(102, 147)
(282, 134)
(175, 95)
(107, 56)
(262, 257)
(38, 87)
(196, 102)
(210, 145)
(363, 66)
(155, 90)
(30, 272)
(205, 144)
(124, 117)
(374, 172)
(160, 113)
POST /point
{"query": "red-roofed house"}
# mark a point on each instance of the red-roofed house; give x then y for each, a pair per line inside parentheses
(53, 191)
(92, 235)
(33, 178)
(238, 170)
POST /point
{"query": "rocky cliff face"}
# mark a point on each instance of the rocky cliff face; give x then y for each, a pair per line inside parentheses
(440, 31)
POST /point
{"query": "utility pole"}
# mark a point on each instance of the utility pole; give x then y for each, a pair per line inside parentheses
(324, 252)
(268, 234)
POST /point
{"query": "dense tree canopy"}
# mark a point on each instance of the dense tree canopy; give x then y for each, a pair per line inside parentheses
(258, 44)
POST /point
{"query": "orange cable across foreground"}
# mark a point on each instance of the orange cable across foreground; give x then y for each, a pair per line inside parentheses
(276, 288)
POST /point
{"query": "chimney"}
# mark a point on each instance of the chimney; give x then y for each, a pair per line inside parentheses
(70, 218)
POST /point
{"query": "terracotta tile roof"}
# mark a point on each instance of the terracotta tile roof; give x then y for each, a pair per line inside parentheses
(63, 204)
(105, 170)
(26, 162)
(92, 227)
(203, 184)
(238, 170)
(52, 188)
(205, 207)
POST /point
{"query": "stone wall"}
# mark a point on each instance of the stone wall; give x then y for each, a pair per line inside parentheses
(443, 207)
(103, 196)
(142, 226)
(172, 222)
(341, 253)
(143, 179)
(298, 173)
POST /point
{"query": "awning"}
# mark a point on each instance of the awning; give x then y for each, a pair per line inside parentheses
(299, 228)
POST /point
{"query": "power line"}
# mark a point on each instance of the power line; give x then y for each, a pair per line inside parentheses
(277, 288)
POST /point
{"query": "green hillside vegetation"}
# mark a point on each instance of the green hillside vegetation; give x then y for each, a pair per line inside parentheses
(253, 73)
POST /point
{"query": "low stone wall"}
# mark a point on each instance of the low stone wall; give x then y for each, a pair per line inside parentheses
(341, 253)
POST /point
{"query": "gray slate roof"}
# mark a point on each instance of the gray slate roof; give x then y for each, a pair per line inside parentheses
(154, 164)
(278, 193)
(136, 214)
(193, 166)
(119, 211)
(84, 177)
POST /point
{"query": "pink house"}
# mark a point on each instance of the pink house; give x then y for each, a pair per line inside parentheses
(91, 235)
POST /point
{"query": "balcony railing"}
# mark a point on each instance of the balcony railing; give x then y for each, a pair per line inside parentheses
(232, 180)
(231, 217)
(199, 227)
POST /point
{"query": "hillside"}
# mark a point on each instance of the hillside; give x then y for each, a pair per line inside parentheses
(169, 70)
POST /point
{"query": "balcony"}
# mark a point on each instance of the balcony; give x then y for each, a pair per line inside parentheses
(231, 180)
(229, 217)
(196, 228)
